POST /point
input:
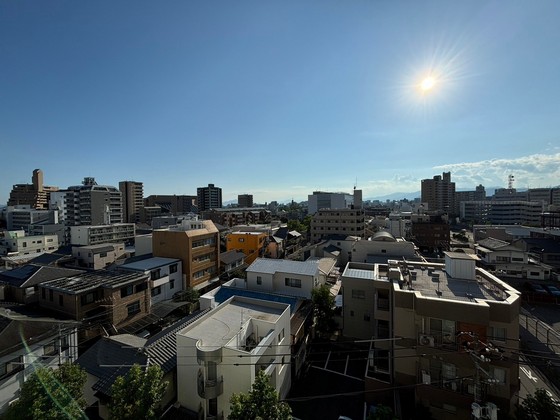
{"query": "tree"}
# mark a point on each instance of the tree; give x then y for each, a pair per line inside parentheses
(538, 406)
(138, 394)
(381, 412)
(323, 307)
(51, 394)
(260, 403)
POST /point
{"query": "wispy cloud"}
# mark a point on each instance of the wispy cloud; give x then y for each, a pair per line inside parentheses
(538, 170)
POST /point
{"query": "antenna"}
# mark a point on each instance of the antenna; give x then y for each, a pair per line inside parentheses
(356, 183)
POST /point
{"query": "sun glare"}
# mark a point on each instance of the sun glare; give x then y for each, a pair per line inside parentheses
(427, 84)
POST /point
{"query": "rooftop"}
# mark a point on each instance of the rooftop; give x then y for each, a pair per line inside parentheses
(272, 266)
(149, 263)
(222, 324)
(90, 281)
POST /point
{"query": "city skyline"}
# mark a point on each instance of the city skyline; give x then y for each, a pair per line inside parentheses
(280, 99)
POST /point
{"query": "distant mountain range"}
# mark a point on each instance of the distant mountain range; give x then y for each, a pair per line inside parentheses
(412, 195)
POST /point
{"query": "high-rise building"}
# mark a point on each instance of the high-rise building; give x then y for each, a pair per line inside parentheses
(439, 193)
(321, 200)
(35, 195)
(132, 199)
(245, 200)
(172, 204)
(335, 222)
(209, 197)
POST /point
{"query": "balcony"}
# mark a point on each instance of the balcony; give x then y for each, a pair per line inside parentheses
(211, 388)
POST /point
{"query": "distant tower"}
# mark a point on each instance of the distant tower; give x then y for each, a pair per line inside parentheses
(511, 178)
(245, 200)
(37, 180)
(209, 197)
(132, 199)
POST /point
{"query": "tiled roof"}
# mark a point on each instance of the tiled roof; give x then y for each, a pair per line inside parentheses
(30, 275)
(231, 256)
(92, 280)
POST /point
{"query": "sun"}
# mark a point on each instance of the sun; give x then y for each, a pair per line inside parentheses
(427, 84)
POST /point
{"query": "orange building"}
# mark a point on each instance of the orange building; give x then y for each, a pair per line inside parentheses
(197, 244)
(252, 244)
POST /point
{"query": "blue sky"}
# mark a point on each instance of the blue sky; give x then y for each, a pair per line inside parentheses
(281, 98)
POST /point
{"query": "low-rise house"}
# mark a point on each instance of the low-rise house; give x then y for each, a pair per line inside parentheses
(102, 300)
(165, 276)
(21, 284)
(295, 278)
(252, 244)
(220, 354)
(98, 256)
(25, 344)
(231, 261)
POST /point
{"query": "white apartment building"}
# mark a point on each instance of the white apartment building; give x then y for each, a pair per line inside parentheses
(165, 276)
(27, 342)
(23, 216)
(220, 354)
(504, 212)
(18, 243)
(94, 235)
(293, 278)
(327, 223)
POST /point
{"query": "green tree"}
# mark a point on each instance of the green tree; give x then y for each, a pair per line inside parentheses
(538, 406)
(259, 403)
(323, 308)
(381, 412)
(51, 394)
(138, 395)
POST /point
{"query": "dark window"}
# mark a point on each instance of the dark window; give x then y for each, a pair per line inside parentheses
(141, 287)
(171, 284)
(61, 300)
(51, 295)
(87, 299)
(133, 308)
(155, 274)
(127, 291)
(156, 291)
(43, 293)
(11, 367)
(172, 268)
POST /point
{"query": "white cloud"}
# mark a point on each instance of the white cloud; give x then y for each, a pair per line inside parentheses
(531, 171)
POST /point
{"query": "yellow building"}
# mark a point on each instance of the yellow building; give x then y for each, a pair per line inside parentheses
(252, 244)
(197, 244)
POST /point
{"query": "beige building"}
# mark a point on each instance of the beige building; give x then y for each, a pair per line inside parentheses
(132, 200)
(197, 244)
(439, 193)
(17, 242)
(99, 256)
(437, 327)
(329, 222)
(35, 195)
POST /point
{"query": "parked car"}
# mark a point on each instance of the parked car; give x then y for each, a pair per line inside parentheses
(553, 290)
(536, 288)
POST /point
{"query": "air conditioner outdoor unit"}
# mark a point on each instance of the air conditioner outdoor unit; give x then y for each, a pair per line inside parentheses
(426, 340)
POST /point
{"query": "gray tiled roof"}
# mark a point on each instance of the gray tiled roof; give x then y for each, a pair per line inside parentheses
(30, 275)
(271, 266)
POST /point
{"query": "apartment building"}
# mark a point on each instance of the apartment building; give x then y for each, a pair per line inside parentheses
(446, 334)
(25, 217)
(132, 193)
(479, 194)
(101, 299)
(293, 278)
(230, 217)
(328, 222)
(172, 204)
(18, 242)
(503, 212)
(220, 354)
(209, 197)
(381, 247)
(439, 193)
(36, 195)
(165, 276)
(95, 235)
(328, 200)
(25, 344)
(99, 256)
(252, 244)
(245, 200)
(197, 244)
(430, 232)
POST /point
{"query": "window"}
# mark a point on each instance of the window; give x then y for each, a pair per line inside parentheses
(240, 239)
(293, 282)
(127, 291)
(51, 295)
(367, 317)
(171, 284)
(102, 255)
(156, 291)
(172, 268)
(49, 349)
(351, 313)
(497, 334)
(43, 293)
(61, 300)
(87, 299)
(443, 330)
(11, 367)
(259, 280)
(358, 294)
(499, 375)
(141, 287)
(133, 308)
(155, 274)
(281, 335)
(24, 244)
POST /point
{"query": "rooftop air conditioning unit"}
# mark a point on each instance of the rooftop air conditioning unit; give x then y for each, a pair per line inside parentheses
(426, 340)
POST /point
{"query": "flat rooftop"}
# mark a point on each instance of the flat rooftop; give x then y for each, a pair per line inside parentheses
(218, 327)
(149, 263)
(433, 281)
